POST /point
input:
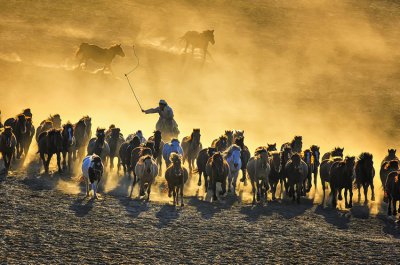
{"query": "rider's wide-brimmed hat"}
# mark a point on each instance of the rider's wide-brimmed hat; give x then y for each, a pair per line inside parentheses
(162, 102)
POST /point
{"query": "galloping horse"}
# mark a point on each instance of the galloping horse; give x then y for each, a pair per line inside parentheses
(104, 56)
(199, 40)
(191, 146)
(18, 125)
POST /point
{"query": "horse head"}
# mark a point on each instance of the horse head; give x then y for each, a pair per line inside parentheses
(271, 147)
(315, 153)
(157, 136)
(211, 151)
(195, 136)
(337, 152)
(296, 161)
(392, 165)
(350, 162)
(233, 155)
(229, 135)
(68, 132)
(222, 143)
(209, 34)
(115, 133)
(56, 119)
(307, 156)
(27, 112)
(135, 142)
(7, 134)
(21, 123)
(147, 162)
(100, 133)
(392, 153)
(276, 161)
(240, 141)
(97, 166)
(117, 50)
(176, 160)
(217, 163)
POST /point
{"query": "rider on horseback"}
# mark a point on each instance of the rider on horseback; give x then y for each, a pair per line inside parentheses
(166, 123)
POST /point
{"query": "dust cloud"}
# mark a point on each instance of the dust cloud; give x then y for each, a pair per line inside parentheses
(326, 70)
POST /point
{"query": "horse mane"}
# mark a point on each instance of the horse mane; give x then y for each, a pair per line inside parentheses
(174, 156)
(21, 115)
(145, 151)
(192, 134)
(211, 151)
(365, 156)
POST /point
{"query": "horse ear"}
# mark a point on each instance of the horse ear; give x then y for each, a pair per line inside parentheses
(212, 30)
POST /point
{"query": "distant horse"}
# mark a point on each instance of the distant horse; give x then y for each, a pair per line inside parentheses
(68, 144)
(50, 143)
(220, 144)
(233, 157)
(82, 135)
(201, 162)
(244, 156)
(315, 162)
(365, 173)
(218, 170)
(386, 168)
(392, 189)
(336, 152)
(169, 148)
(158, 149)
(114, 140)
(125, 152)
(258, 169)
(92, 169)
(137, 153)
(307, 158)
(325, 172)
(176, 176)
(8, 142)
(296, 170)
(275, 174)
(391, 156)
(199, 40)
(341, 173)
(146, 169)
(191, 146)
(18, 125)
(99, 146)
(100, 55)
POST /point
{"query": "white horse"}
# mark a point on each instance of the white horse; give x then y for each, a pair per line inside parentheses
(232, 156)
(92, 169)
(146, 169)
(258, 170)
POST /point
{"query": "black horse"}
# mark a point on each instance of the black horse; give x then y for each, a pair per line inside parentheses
(201, 162)
(365, 173)
(218, 169)
(341, 173)
(18, 125)
(50, 143)
(392, 190)
(114, 140)
(315, 162)
(244, 156)
(125, 154)
(82, 134)
(8, 143)
(158, 148)
(68, 145)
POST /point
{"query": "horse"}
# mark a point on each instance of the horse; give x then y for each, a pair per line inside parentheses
(392, 191)
(391, 156)
(43, 127)
(237, 134)
(169, 148)
(191, 147)
(297, 144)
(176, 177)
(99, 146)
(68, 144)
(307, 158)
(233, 157)
(325, 170)
(220, 144)
(386, 168)
(365, 172)
(341, 174)
(92, 170)
(199, 40)
(218, 170)
(28, 136)
(82, 135)
(158, 148)
(114, 140)
(244, 156)
(125, 152)
(201, 161)
(296, 170)
(258, 170)
(18, 125)
(146, 169)
(275, 176)
(137, 153)
(139, 134)
(286, 154)
(336, 152)
(8, 143)
(271, 147)
(50, 143)
(315, 162)
(104, 56)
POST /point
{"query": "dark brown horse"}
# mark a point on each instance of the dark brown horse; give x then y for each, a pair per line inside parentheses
(68, 145)
(386, 168)
(315, 162)
(99, 146)
(28, 136)
(391, 156)
(201, 162)
(176, 176)
(336, 152)
(220, 144)
(191, 146)
(114, 140)
(296, 170)
(341, 174)
(244, 156)
(217, 169)
(392, 190)
(104, 56)
(82, 135)
(365, 173)
(18, 125)
(125, 154)
(286, 154)
(275, 173)
(8, 143)
(158, 149)
(137, 153)
(50, 143)
(307, 158)
(271, 147)
(199, 40)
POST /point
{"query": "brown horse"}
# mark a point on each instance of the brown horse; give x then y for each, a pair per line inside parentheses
(220, 144)
(176, 176)
(191, 146)
(199, 40)
(50, 143)
(365, 173)
(114, 140)
(158, 149)
(341, 174)
(315, 162)
(386, 168)
(125, 154)
(8, 143)
(325, 172)
(392, 190)
(218, 170)
(18, 125)
(137, 153)
(258, 170)
(68, 144)
(82, 135)
(201, 162)
(336, 152)
(391, 156)
(101, 55)
(296, 170)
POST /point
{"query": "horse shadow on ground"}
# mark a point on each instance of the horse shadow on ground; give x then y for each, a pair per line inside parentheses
(337, 218)
(82, 206)
(167, 214)
(208, 209)
(391, 227)
(285, 208)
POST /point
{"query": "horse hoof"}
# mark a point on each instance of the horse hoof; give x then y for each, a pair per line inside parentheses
(215, 198)
(373, 199)
(182, 205)
(199, 183)
(221, 193)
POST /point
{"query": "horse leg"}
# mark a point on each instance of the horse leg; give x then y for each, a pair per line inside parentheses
(359, 192)
(346, 204)
(223, 186)
(323, 189)
(299, 188)
(235, 177)
(206, 181)
(315, 178)
(48, 162)
(372, 191)
(365, 187)
(334, 194)
(199, 182)
(229, 182)
(389, 212)
(253, 187)
(214, 183)
(394, 207)
(59, 162)
(181, 193)
(175, 194)
(94, 188)
(351, 196)
(64, 158)
(133, 185)
(258, 190)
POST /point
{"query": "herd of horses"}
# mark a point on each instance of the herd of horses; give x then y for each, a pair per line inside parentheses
(292, 167)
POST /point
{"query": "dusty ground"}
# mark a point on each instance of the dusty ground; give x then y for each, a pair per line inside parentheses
(41, 224)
